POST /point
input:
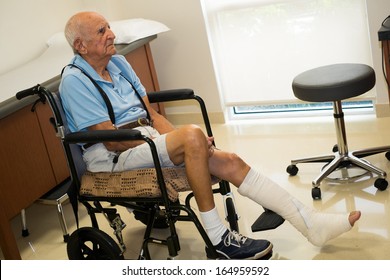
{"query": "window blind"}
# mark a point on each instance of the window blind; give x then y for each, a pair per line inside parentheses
(259, 46)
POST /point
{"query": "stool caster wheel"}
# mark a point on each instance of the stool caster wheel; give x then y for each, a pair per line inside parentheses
(387, 155)
(25, 232)
(292, 170)
(381, 184)
(316, 193)
(335, 148)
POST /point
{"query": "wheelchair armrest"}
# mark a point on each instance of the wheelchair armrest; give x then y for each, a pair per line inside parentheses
(170, 95)
(181, 94)
(97, 136)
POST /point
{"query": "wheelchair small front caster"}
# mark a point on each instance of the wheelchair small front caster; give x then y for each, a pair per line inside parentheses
(66, 238)
(88, 243)
(381, 184)
(292, 169)
(316, 193)
(25, 232)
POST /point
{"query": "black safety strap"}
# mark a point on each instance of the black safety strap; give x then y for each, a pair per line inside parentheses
(139, 97)
(105, 97)
(103, 94)
(73, 198)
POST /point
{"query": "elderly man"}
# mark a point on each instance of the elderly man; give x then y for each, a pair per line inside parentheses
(96, 67)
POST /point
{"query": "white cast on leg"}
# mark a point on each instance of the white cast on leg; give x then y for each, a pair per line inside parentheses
(317, 227)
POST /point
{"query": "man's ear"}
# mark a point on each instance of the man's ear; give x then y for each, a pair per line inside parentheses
(79, 46)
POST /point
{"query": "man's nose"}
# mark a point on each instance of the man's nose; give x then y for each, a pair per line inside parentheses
(111, 34)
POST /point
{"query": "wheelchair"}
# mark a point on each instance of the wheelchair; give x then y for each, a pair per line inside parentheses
(155, 211)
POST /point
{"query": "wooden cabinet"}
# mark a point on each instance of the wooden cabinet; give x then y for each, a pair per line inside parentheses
(25, 166)
(32, 160)
(141, 60)
(27, 169)
(384, 37)
(386, 59)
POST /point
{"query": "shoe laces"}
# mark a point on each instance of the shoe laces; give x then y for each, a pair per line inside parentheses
(234, 238)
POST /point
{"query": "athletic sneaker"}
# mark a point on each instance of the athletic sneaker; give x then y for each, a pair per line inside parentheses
(237, 246)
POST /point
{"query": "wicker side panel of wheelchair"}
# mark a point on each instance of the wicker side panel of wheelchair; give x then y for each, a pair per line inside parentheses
(134, 183)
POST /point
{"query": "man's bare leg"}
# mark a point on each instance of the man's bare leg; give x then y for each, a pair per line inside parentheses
(317, 227)
(189, 145)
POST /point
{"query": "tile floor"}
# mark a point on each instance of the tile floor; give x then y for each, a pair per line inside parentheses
(267, 145)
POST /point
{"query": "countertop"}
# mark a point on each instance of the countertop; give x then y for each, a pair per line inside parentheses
(48, 76)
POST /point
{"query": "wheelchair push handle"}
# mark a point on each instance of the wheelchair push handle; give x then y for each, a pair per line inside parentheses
(43, 94)
(28, 92)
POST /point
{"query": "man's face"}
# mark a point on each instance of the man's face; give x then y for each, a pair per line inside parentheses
(97, 38)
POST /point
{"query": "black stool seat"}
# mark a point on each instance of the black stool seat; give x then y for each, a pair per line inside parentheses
(334, 82)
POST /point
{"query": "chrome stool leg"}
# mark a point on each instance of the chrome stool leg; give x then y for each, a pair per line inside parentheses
(334, 83)
(342, 158)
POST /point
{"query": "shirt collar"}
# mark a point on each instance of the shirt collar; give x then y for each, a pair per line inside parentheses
(81, 62)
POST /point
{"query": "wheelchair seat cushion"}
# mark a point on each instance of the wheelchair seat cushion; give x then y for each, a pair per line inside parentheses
(134, 183)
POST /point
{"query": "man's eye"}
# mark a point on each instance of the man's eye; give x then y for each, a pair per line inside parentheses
(101, 30)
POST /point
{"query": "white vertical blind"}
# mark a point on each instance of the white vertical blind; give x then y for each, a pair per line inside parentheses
(259, 46)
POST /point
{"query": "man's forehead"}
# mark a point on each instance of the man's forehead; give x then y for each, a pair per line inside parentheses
(94, 24)
(93, 19)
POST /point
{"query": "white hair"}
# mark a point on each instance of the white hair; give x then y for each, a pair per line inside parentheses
(73, 29)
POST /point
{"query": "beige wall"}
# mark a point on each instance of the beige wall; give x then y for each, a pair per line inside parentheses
(182, 56)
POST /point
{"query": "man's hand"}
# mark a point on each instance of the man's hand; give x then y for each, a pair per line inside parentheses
(210, 145)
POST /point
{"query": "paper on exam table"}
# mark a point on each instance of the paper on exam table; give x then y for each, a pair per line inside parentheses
(59, 53)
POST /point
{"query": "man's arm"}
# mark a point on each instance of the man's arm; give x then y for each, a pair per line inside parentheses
(160, 123)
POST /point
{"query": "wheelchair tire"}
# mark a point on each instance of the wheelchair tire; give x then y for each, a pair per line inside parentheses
(231, 217)
(90, 243)
(160, 221)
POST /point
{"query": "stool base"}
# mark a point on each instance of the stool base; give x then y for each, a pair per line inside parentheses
(343, 160)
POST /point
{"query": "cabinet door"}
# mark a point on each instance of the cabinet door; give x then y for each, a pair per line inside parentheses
(25, 168)
(386, 59)
(141, 60)
(53, 143)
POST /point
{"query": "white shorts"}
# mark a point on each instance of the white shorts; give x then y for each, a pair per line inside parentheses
(99, 159)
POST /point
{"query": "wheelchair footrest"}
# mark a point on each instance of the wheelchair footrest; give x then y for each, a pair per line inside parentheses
(267, 220)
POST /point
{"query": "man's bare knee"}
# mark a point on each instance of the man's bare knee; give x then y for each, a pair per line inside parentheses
(235, 165)
(236, 161)
(194, 137)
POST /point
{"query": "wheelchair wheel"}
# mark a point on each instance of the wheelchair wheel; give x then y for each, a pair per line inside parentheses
(231, 214)
(89, 243)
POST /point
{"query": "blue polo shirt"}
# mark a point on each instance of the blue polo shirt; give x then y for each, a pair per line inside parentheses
(83, 103)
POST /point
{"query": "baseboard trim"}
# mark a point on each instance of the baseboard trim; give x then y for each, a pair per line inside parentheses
(382, 110)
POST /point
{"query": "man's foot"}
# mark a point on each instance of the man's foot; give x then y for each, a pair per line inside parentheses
(237, 246)
(323, 227)
(353, 217)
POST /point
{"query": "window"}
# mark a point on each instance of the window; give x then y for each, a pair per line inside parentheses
(259, 46)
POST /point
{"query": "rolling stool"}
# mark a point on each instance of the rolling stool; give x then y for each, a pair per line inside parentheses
(335, 83)
(57, 196)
